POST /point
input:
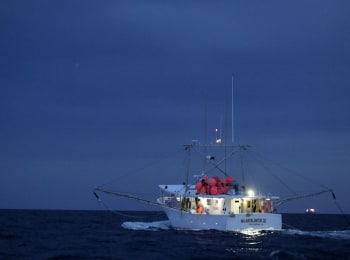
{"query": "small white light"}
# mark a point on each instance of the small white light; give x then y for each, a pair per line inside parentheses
(250, 193)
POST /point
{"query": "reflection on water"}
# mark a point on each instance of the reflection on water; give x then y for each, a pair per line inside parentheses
(250, 242)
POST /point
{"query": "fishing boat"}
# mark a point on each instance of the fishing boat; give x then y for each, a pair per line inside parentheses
(218, 203)
(210, 202)
(215, 203)
(310, 211)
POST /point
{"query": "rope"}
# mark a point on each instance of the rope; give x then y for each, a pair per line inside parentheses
(341, 210)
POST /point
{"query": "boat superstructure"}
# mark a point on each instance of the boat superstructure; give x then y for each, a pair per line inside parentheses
(227, 212)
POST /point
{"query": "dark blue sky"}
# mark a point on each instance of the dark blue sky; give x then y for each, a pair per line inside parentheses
(92, 90)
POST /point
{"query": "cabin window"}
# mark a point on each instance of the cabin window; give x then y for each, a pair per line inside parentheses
(248, 204)
(208, 202)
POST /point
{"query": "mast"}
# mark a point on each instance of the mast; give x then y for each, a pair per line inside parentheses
(225, 133)
(188, 149)
(205, 137)
(241, 149)
(232, 112)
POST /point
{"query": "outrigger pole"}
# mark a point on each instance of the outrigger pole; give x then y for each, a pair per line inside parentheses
(280, 202)
(130, 197)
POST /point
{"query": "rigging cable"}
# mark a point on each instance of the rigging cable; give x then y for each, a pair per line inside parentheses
(216, 164)
(101, 187)
(326, 189)
(251, 153)
(341, 210)
(128, 196)
(119, 213)
(311, 181)
(128, 173)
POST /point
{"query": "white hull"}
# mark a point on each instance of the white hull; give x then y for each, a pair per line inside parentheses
(233, 222)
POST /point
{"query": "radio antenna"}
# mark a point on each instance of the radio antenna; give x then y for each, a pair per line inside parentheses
(232, 112)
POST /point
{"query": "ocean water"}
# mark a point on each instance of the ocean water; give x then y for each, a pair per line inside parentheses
(43, 234)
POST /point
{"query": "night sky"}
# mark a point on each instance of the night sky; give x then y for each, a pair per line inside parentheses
(93, 91)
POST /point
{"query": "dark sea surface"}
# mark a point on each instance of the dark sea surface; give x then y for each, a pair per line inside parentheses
(44, 234)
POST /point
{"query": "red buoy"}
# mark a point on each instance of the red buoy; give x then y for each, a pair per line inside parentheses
(213, 190)
(199, 186)
(211, 182)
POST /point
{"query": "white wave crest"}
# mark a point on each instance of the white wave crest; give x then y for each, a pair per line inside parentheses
(149, 226)
(343, 234)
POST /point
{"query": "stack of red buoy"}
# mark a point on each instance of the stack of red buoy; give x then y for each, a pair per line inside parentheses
(214, 185)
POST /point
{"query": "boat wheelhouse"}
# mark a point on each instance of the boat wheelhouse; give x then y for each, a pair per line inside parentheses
(226, 212)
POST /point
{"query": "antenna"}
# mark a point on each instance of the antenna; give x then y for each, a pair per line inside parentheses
(232, 112)
(205, 136)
